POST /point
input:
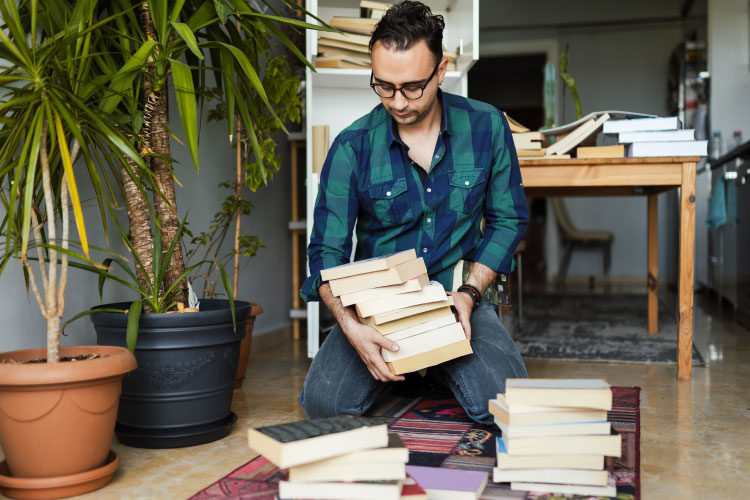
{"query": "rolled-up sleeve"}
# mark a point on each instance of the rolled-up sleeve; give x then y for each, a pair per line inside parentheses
(334, 217)
(505, 212)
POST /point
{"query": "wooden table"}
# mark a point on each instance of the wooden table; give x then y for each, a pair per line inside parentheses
(634, 177)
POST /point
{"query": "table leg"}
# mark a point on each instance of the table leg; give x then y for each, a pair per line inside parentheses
(653, 264)
(687, 258)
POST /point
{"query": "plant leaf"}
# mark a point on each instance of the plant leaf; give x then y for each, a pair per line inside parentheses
(134, 317)
(183, 83)
(228, 288)
(74, 198)
(187, 35)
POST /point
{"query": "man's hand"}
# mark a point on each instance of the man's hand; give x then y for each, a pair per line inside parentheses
(367, 342)
(463, 304)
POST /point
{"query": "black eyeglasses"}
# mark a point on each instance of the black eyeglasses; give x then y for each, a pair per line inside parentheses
(409, 91)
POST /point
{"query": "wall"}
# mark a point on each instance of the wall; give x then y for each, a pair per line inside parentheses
(266, 279)
(729, 65)
(619, 54)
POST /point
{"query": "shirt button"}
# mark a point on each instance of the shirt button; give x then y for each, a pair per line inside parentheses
(389, 193)
(424, 250)
(467, 183)
(429, 190)
(437, 156)
(429, 220)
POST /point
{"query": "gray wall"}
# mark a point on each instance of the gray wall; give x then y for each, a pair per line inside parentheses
(619, 54)
(266, 279)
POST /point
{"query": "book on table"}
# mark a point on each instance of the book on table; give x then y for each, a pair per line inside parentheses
(296, 443)
(521, 414)
(373, 464)
(449, 484)
(412, 285)
(656, 136)
(353, 490)
(576, 393)
(642, 125)
(676, 148)
(559, 461)
(432, 292)
(395, 275)
(577, 136)
(615, 151)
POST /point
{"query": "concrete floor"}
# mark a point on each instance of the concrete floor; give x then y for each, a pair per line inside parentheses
(694, 435)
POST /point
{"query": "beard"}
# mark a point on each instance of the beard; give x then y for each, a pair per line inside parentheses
(414, 115)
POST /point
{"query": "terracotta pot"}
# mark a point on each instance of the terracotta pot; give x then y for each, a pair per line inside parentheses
(57, 419)
(246, 343)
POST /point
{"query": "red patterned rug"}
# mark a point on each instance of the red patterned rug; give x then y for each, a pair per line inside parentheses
(439, 434)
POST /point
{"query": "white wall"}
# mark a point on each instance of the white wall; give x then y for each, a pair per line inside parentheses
(267, 278)
(618, 55)
(729, 65)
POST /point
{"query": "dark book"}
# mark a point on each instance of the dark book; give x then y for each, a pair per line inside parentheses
(306, 441)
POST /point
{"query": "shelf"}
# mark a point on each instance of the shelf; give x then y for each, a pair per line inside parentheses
(360, 78)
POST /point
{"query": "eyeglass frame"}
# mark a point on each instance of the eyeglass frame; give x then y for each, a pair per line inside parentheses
(401, 89)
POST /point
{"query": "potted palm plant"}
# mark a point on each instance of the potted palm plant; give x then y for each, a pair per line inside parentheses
(57, 405)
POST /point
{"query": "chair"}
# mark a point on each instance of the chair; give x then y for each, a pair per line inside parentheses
(573, 237)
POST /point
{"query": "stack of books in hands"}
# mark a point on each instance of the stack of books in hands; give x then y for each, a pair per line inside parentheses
(393, 295)
(343, 457)
(555, 436)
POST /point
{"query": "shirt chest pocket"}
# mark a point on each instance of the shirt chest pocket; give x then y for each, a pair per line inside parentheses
(390, 202)
(467, 190)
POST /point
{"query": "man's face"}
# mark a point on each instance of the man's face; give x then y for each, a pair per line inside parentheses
(408, 68)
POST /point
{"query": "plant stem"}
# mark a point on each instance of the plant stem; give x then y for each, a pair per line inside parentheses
(238, 195)
(52, 315)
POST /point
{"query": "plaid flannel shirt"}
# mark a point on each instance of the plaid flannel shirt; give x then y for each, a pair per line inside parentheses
(369, 179)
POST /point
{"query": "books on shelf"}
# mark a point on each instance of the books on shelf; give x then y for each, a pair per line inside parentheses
(432, 292)
(359, 25)
(449, 484)
(615, 151)
(559, 461)
(341, 62)
(575, 393)
(412, 285)
(325, 45)
(643, 124)
(372, 9)
(675, 148)
(296, 443)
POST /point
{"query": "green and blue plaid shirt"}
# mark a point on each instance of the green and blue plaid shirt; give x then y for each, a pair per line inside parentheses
(369, 179)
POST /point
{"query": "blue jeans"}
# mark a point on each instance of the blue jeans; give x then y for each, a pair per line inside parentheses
(338, 381)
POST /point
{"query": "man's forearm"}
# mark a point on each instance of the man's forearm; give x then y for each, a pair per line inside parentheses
(344, 315)
(480, 276)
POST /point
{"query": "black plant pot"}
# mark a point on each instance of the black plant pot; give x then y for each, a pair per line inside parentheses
(181, 392)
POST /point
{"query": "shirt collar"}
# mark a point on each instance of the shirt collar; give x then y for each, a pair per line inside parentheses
(445, 123)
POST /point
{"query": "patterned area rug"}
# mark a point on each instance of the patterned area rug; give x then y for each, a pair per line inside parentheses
(594, 327)
(439, 434)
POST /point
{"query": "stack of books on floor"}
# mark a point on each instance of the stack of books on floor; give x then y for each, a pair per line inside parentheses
(393, 295)
(350, 49)
(661, 136)
(555, 436)
(341, 457)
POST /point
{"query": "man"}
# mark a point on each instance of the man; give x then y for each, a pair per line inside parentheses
(421, 170)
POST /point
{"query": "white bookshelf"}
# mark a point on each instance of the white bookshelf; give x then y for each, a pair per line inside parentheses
(337, 97)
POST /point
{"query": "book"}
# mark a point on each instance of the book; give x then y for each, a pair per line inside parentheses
(616, 151)
(643, 125)
(306, 441)
(413, 320)
(449, 484)
(560, 429)
(681, 148)
(328, 50)
(559, 476)
(531, 153)
(577, 136)
(613, 114)
(358, 490)
(395, 275)
(515, 127)
(656, 136)
(372, 9)
(360, 25)
(341, 62)
(412, 285)
(568, 489)
(320, 146)
(528, 146)
(432, 292)
(505, 461)
(446, 319)
(430, 358)
(395, 451)
(577, 393)
(417, 344)
(410, 490)
(573, 445)
(521, 414)
(325, 44)
(368, 265)
(328, 36)
(379, 319)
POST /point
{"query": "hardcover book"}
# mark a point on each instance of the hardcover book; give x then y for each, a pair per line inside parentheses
(449, 484)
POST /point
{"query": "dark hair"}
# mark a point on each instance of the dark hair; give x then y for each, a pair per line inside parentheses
(407, 23)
